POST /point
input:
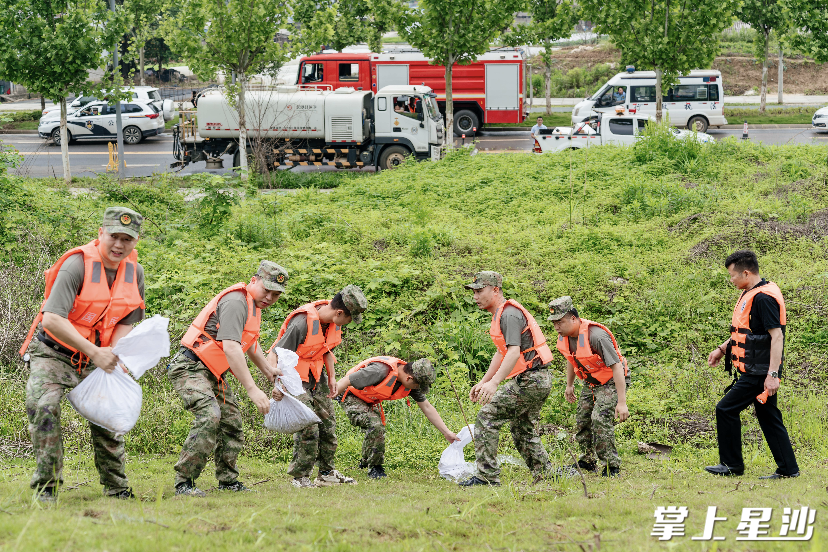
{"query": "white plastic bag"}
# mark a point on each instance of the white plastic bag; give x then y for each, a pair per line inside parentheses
(452, 464)
(143, 347)
(289, 379)
(289, 415)
(112, 401)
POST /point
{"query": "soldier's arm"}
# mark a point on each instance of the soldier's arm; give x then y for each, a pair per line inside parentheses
(329, 359)
(619, 378)
(434, 417)
(497, 360)
(238, 366)
(269, 370)
(65, 332)
(777, 341)
(342, 385)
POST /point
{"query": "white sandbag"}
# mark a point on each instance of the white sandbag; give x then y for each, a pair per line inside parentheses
(110, 400)
(289, 415)
(452, 464)
(289, 379)
(143, 347)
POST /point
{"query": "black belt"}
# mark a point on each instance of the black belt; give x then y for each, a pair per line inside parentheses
(189, 354)
(54, 345)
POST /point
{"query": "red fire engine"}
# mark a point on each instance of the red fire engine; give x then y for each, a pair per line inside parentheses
(489, 90)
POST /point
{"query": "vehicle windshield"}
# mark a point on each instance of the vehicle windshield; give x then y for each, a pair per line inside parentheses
(154, 95)
(431, 104)
(600, 92)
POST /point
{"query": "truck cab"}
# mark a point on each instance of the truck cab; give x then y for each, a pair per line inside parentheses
(407, 117)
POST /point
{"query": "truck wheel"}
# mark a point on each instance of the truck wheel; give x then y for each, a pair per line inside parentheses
(464, 122)
(699, 124)
(393, 156)
(237, 158)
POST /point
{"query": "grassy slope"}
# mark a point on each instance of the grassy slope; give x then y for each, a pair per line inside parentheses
(410, 238)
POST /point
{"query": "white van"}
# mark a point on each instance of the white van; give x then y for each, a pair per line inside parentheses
(697, 102)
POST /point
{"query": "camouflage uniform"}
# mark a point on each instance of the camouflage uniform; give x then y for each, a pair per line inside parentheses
(217, 427)
(595, 424)
(52, 374)
(518, 402)
(317, 442)
(367, 418)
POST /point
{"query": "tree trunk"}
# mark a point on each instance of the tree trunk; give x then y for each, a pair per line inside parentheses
(547, 74)
(42, 103)
(781, 66)
(763, 94)
(242, 127)
(449, 133)
(659, 103)
(64, 143)
(141, 65)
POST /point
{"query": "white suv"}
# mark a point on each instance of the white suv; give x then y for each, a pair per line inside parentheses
(96, 121)
(145, 93)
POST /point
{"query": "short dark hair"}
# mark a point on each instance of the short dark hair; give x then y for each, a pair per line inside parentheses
(744, 259)
(338, 304)
(540, 117)
(408, 368)
(574, 312)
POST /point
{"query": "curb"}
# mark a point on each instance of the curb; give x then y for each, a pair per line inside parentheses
(14, 131)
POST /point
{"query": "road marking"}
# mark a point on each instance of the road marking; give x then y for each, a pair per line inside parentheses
(132, 165)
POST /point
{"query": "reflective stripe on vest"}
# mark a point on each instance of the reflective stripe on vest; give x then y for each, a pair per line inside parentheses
(538, 339)
(384, 390)
(312, 351)
(97, 308)
(740, 327)
(588, 364)
(211, 352)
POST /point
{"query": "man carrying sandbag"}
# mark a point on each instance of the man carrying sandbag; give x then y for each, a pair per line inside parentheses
(312, 331)
(94, 293)
(217, 340)
(379, 379)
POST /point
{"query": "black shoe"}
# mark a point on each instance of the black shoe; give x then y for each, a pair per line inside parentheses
(236, 486)
(47, 495)
(188, 488)
(610, 472)
(477, 481)
(585, 466)
(778, 475)
(126, 494)
(363, 464)
(723, 470)
(377, 472)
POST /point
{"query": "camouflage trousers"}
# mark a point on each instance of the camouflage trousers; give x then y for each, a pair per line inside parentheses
(217, 427)
(518, 402)
(595, 424)
(316, 443)
(367, 418)
(52, 374)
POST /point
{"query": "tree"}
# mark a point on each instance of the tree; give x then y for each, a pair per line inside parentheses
(764, 16)
(145, 18)
(49, 46)
(232, 36)
(670, 37)
(811, 18)
(551, 20)
(341, 23)
(455, 31)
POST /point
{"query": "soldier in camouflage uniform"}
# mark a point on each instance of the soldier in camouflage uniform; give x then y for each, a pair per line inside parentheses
(524, 357)
(312, 331)
(230, 321)
(363, 391)
(60, 357)
(593, 355)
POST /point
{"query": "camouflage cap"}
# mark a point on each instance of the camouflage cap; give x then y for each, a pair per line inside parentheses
(273, 276)
(121, 220)
(424, 373)
(486, 278)
(355, 302)
(559, 307)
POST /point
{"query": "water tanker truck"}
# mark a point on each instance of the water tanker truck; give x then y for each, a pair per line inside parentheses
(294, 126)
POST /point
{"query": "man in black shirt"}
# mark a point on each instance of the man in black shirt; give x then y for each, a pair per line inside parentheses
(755, 349)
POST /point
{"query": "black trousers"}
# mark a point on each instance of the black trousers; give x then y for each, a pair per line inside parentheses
(729, 426)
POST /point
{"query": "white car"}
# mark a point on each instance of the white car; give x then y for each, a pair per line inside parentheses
(96, 121)
(820, 120)
(141, 93)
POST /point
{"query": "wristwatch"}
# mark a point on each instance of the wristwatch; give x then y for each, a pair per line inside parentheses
(774, 374)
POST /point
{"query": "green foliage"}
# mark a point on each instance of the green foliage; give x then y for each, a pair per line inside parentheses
(337, 24)
(810, 18)
(15, 116)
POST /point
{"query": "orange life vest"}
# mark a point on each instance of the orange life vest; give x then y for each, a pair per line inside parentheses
(384, 390)
(316, 344)
(538, 339)
(588, 364)
(97, 308)
(750, 353)
(211, 352)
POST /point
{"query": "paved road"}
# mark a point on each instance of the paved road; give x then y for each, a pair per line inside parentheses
(154, 155)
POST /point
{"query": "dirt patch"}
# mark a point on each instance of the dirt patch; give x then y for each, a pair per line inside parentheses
(689, 222)
(14, 448)
(92, 514)
(550, 429)
(689, 426)
(380, 245)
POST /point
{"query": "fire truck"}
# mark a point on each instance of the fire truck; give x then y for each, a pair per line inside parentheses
(489, 90)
